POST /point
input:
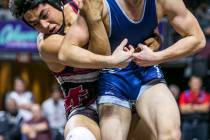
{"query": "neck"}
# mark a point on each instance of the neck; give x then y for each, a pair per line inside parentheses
(133, 3)
(196, 91)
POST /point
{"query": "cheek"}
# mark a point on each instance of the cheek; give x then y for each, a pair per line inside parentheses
(56, 16)
(53, 19)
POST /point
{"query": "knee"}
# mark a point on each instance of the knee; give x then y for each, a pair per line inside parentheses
(80, 133)
(172, 133)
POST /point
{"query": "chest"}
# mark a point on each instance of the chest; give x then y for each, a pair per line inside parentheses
(195, 99)
(134, 15)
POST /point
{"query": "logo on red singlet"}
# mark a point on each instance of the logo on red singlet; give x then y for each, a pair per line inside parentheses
(76, 97)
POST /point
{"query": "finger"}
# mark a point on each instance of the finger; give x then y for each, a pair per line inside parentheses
(141, 46)
(123, 43)
(149, 41)
(137, 55)
(137, 49)
(137, 60)
(125, 49)
(131, 48)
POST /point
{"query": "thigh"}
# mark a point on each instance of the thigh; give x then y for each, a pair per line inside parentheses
(114, 121)
(158, 108)
(82, 121)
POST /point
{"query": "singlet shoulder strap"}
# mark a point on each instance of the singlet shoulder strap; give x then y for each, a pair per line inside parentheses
(74, 6)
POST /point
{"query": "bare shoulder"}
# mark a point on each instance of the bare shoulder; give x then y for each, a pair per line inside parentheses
(172, 7)
(49, 46)
(48, 49)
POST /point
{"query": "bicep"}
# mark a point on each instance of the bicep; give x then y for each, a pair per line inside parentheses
(77, 34)
(180, 17)
(49, 47)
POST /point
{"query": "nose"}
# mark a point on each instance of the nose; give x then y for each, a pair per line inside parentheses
(44, 24)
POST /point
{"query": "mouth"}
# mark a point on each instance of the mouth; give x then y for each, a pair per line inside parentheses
(53, 30)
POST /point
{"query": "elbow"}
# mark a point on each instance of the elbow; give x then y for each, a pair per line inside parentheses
(201, 43)
(62, 56)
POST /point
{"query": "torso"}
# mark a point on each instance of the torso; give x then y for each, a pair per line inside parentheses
(135, 27)
(79, 86)
(56, 67)
(105, 15)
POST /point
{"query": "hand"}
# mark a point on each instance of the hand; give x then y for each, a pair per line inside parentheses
(122, 55)
(32, 133)
(1, 137)
(207, 30)
(91, 9)
(145, 57)
(70, 16)
(154, 43)
(190, 108)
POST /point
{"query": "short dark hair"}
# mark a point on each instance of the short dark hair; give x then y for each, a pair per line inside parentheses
(19, 78)
(19, 7)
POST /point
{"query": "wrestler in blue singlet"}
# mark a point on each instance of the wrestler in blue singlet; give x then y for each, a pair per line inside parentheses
(119, 86)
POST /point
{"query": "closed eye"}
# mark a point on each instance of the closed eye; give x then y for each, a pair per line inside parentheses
(44, 14)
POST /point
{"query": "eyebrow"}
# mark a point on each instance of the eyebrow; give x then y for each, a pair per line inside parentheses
(36, 20)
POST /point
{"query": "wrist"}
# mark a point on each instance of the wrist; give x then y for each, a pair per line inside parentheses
(110, 62)
(159, 57)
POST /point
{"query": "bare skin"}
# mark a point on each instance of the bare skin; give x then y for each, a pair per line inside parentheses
(48, 20)
(192, 41)
(183, 23)
(197, 41)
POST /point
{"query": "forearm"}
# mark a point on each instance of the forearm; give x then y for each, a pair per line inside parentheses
(40, 127)
(25, 106)
(203, 108)
(25, 129)
(187, 46)
(156, 44)
(99, 42)
(185, 109)
(66, 53)
(1, 137)
(186, 25)
(71, 53)
(81, 58)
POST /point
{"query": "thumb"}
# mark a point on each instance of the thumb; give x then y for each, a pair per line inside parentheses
(141, 46)
(131, 48)
(137, 49)
(123, 43)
